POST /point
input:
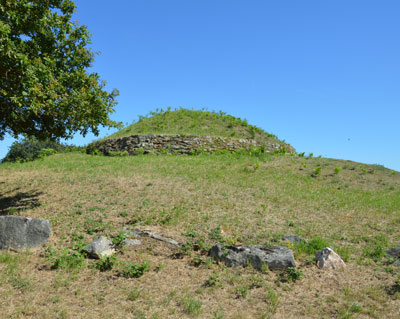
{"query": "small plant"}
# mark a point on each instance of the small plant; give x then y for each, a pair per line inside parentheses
(119, 239)
(316, 172)
(191, 305)
(195, 244)
(348, 311)
(135, 270)
(197, 261)
(241, 291)
(337, 170)
(123, 214)
(134, 294)
(90, 231)
(213, 280)
(219, 314)
(272, 300)
(294, 274)
(257, 281)
(215, 234)
(106, 263)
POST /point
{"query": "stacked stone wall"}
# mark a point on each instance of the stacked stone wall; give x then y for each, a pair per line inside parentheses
(182, 144)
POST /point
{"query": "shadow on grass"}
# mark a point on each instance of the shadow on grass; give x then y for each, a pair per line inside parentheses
(10, 205)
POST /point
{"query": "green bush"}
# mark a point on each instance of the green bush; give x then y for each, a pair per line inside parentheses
(135, 270)
(291, 274)
(106, 263)
(29, 149)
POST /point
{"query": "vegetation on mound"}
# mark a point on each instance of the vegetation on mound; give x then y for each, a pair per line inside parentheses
(197, 122)
(253, 199)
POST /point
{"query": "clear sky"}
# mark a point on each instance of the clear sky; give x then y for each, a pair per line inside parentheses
(323, 75)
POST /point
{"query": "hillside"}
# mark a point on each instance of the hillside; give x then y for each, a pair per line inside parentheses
(349, 206)
(183, 121)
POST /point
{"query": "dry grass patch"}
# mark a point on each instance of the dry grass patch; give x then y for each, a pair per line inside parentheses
(253, 199)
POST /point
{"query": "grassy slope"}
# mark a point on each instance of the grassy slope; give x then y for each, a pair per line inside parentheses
(256, 200)
(184, 121)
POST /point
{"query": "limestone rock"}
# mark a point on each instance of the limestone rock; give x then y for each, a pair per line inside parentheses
(100, 247)
(274, 257)
(328, 259)
(293, 239)
(17, 232)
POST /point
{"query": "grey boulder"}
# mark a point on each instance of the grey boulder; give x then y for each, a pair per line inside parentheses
(100, 247)
(18, 232)
(274, 257)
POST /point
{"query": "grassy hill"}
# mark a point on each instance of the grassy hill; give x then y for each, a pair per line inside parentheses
(183, 121)
(254, 199)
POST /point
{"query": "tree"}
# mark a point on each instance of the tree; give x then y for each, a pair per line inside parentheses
(45, 88)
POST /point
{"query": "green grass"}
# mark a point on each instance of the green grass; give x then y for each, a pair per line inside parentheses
(183, 121)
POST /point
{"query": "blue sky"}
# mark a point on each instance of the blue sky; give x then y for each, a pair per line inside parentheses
(323, 75)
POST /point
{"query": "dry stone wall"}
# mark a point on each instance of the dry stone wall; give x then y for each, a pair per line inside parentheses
(182, 144)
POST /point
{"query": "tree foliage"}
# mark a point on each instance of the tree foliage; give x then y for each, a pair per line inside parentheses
(45, 88)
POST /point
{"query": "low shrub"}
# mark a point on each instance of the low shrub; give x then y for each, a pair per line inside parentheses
(29, 149)
(135, 270)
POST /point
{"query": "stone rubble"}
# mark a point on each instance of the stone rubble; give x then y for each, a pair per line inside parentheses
(181, 144)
